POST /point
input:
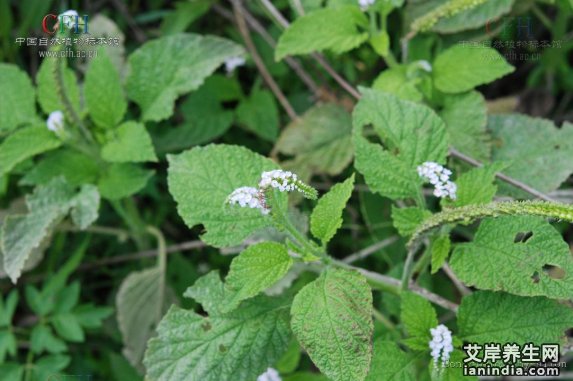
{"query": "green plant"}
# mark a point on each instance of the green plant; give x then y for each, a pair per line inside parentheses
(390, 227)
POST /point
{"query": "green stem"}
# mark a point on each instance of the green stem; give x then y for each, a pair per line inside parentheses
(130, 216)
(161, 264)
(383, 319)
(408, 268)
(29, 365)
(470, 213)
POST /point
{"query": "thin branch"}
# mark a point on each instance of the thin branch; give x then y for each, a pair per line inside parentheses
(364, 253)
(507, 179)
(245, 33)
(257, 27)
(455, 280)
(189, 245)
(319, 58)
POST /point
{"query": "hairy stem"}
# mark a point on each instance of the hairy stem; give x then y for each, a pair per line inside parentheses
(470, 213)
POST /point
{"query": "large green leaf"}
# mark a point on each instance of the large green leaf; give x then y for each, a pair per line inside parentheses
(122, 180)
(465, 116)
(486, 317)
(418, 317)
(390, 363)
(332, 320)
(462, 67)
(237, 346)
(17, 99)
(412, 134)
(21, 234)
(164, 69)
(202, 178)
(320, 139)
(254, 270)
(130, 142)
(476, 186)
(326, 217)
(140, 306)
(25, 143)
(481, 15)
(49, 97)
(335, 29)
(400, 82)
(539, 153)
(516, 254)
(259, 113)
(103, 92)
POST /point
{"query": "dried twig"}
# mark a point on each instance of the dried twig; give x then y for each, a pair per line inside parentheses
(245, 33)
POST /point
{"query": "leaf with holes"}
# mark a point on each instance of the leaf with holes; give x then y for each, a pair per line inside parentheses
(236, 346)
(522, 255)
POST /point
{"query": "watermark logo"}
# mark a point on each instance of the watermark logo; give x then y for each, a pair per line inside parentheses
(52, 23)
(522, 26)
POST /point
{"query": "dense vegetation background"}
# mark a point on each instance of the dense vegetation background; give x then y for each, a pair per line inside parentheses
(109, 212)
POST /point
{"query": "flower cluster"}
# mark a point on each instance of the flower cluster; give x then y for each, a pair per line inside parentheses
(55, 122)
(365, 4)
(439, 177)
(441, 344)
(248, 197)
(283, 181)
(234, 62)
(270, 375)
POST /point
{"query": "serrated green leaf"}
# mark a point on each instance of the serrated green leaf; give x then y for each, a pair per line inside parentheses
(130, 142)
(418, 317)
(210, 292)
(476, 186)
(103, 92)
(202, 178)
(482, 14)
(486, 317)
(91, 316)
(326, 217)
(515, 254)
(68, 327)
(461, 68)
(122, 180)
(390, 363)
(397, 81)
(465, 116)
(17, 99)
(192, 347)
(8, 344)
(320, 139)
(140, 307)
(334, 29)
(406, 220)
(47, 366)
(85, 206)
(529, 144)
(332, 320)
(48, 94)
(76, 167)
(204, 116)
(412, 130)
(25, 143)
(168, 67)
(440, 252)
(8, 307)
(259, 113)
(254, 270)
(43, 339)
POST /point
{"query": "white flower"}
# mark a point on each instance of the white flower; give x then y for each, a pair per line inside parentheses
(285, 181)
(234, 62)
(425, 65)
(441, 344)
(55, 121)
(248, 197)
(439, 177)
(365, 4)
(70, 17)
(270, 375)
